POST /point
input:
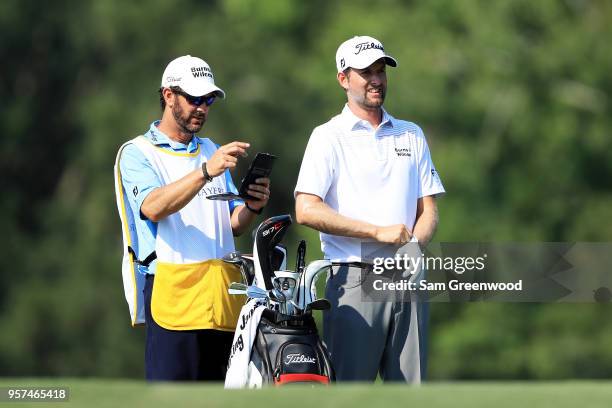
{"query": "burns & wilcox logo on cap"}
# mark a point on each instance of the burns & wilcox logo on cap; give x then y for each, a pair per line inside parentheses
(201, 72)
(193, 75)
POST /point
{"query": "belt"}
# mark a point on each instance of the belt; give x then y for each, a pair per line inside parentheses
(360, 265)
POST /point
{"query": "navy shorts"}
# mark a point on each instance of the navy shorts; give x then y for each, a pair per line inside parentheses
(185, 355)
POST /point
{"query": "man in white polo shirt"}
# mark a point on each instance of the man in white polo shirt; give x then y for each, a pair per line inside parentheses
(368, 177)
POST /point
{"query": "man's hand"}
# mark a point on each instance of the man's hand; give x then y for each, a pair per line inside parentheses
(261, 192)
(226, 157)
(242, 216)
(396, 234)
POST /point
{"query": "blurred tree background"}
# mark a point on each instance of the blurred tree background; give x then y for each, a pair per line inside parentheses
(514, 97)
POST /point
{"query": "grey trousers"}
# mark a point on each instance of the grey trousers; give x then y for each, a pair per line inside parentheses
(370, 338)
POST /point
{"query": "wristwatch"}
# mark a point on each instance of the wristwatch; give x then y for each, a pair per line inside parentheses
(253, 210)
(205, 172)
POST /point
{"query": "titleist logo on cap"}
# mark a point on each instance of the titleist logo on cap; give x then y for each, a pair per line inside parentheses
(366, 46)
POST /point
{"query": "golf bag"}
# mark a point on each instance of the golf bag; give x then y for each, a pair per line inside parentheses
(276, 340)
(287, 349)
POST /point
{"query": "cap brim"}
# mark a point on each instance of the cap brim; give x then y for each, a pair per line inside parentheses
(388, 60)
(220, 93)
(205, 90)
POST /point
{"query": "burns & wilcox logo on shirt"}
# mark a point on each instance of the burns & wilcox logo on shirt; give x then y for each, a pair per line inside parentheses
(403, 151)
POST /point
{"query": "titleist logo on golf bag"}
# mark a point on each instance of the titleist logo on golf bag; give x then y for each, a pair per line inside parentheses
(299, 358)
(288, 348)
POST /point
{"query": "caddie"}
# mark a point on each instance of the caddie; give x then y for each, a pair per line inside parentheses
(174, 237)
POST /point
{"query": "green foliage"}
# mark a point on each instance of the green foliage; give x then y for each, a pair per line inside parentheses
(514, 98)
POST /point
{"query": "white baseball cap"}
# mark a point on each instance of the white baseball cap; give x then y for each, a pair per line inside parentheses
(193, 75)
(360, 52)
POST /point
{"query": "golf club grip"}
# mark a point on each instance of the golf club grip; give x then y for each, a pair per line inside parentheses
(301, 257)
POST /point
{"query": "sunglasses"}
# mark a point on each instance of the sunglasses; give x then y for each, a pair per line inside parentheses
(196, 100)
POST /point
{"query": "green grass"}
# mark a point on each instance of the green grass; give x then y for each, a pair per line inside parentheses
(128, 393)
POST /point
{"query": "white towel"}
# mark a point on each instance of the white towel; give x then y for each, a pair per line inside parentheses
(238, 365)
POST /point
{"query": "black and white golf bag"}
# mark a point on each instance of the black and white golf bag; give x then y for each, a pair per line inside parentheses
(276, 340)
(287, 349)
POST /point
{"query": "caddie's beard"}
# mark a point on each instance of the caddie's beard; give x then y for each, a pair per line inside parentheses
(183, 119)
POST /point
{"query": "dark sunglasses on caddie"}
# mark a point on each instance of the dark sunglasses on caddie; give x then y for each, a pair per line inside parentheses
(196, 100)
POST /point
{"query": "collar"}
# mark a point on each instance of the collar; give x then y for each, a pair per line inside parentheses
(352, 122)
(159, 138)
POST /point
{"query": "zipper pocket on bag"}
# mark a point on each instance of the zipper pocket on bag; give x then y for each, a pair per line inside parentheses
(283, 359)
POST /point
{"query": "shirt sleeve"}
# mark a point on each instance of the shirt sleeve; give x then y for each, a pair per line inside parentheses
(317, 170)
(137, 175)
(231, 188)
(429, 180)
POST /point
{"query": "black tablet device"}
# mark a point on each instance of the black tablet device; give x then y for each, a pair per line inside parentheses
(261, 166)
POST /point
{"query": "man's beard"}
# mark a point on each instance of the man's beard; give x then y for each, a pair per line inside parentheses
(366, 103)
(183, 120)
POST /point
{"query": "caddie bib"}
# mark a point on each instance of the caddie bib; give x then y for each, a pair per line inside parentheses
(190, 290)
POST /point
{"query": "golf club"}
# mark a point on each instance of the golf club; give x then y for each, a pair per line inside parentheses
(236, 288)
(255, 292)
(267, 236)
(301, 257)
(306, 292)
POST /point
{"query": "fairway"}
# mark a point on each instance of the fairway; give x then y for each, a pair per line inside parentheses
(128, 393)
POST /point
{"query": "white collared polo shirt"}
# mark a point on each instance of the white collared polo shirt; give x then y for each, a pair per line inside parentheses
(373, 175)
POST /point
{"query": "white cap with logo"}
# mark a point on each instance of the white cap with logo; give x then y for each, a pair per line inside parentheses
(360, 52)
(193, 75)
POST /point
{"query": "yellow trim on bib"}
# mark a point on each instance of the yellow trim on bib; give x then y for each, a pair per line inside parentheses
(129, 243)
(194, 154)
(194, 296)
